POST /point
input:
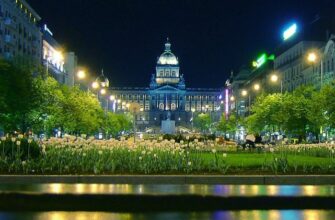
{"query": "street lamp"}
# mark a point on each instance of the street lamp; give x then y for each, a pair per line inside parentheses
(81, 74)
(103, 91)
(257, 87)
(275, 78)
(245, 93)
(95, 85)
(112, 98)
(193, 110)
(313, 57)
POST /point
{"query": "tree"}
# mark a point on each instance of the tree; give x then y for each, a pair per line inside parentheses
(203, 122)
(227, 125)
(267, 114)
(116, 123)
(18, 96)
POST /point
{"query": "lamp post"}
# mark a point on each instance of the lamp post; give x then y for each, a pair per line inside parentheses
(275, 78)
(112, 98)
(134, 108)
(245, 93)
(103, 92)
(312, 57)
(192, 110)
(256, 87)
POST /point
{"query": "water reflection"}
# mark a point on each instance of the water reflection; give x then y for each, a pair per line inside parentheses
(243, 215)
(218, 190)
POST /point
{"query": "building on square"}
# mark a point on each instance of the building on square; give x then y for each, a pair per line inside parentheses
(168, 97)
(20, 35)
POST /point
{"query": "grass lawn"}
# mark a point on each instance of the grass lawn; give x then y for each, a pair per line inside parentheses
(258, 159)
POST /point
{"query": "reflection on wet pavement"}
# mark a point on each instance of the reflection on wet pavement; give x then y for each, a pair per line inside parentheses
(243, 215)
(217, 190)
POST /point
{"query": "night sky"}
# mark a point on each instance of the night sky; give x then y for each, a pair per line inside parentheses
(210, 37)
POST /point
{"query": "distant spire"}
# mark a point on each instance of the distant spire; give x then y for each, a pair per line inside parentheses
(167, 45)
(102, 71)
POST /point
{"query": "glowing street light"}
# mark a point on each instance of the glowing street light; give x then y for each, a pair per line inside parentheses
(95, 85)
(244, 93)
(112, 98)
(312, 57)
(81, 74)
(103, 91)
(232, 98)
(275, 78)
(257, 87)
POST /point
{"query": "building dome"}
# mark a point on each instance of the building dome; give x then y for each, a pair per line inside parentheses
(102, 80)
(168, 58)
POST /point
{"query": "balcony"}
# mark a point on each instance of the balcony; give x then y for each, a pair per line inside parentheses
(10, 23)
(9, 39)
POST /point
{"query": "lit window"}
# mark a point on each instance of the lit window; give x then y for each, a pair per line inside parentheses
(161, 106)
(173, 106)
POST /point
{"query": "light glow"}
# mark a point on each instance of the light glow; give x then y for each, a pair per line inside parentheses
(261, 60)
(312, 57)
(227, 103)
(257, 87)
(58, 57)
(290, 32)
(81, 74)
(244, 93)
(95, 85)
(274, 78)
(103, 91)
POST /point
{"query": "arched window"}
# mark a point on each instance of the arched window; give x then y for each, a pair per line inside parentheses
(173, 106)
(161, 106)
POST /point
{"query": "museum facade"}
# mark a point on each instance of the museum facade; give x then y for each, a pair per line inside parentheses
(168, 97)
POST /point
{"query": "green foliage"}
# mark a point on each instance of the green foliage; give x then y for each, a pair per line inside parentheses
(19, 149)
(203, 122)
(228, 125)
(41, 104)
(114, 123)
(18, 95)
(305, 109)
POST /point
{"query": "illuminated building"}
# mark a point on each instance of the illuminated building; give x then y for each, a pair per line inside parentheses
(168, 96)
(59, 64)
(53, 56)
(20, 35)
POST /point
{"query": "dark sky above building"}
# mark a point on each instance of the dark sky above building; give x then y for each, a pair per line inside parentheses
(210, 37)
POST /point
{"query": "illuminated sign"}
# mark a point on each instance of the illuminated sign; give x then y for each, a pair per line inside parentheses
(262, 59)
(227, 103)
(47, 30)
(290, 32)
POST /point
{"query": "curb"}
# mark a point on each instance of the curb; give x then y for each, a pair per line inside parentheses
(172, 179)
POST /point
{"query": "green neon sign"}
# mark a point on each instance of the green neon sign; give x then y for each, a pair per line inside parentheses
(262, 59)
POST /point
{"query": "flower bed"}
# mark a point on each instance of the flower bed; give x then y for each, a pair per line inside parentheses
(72, 155)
